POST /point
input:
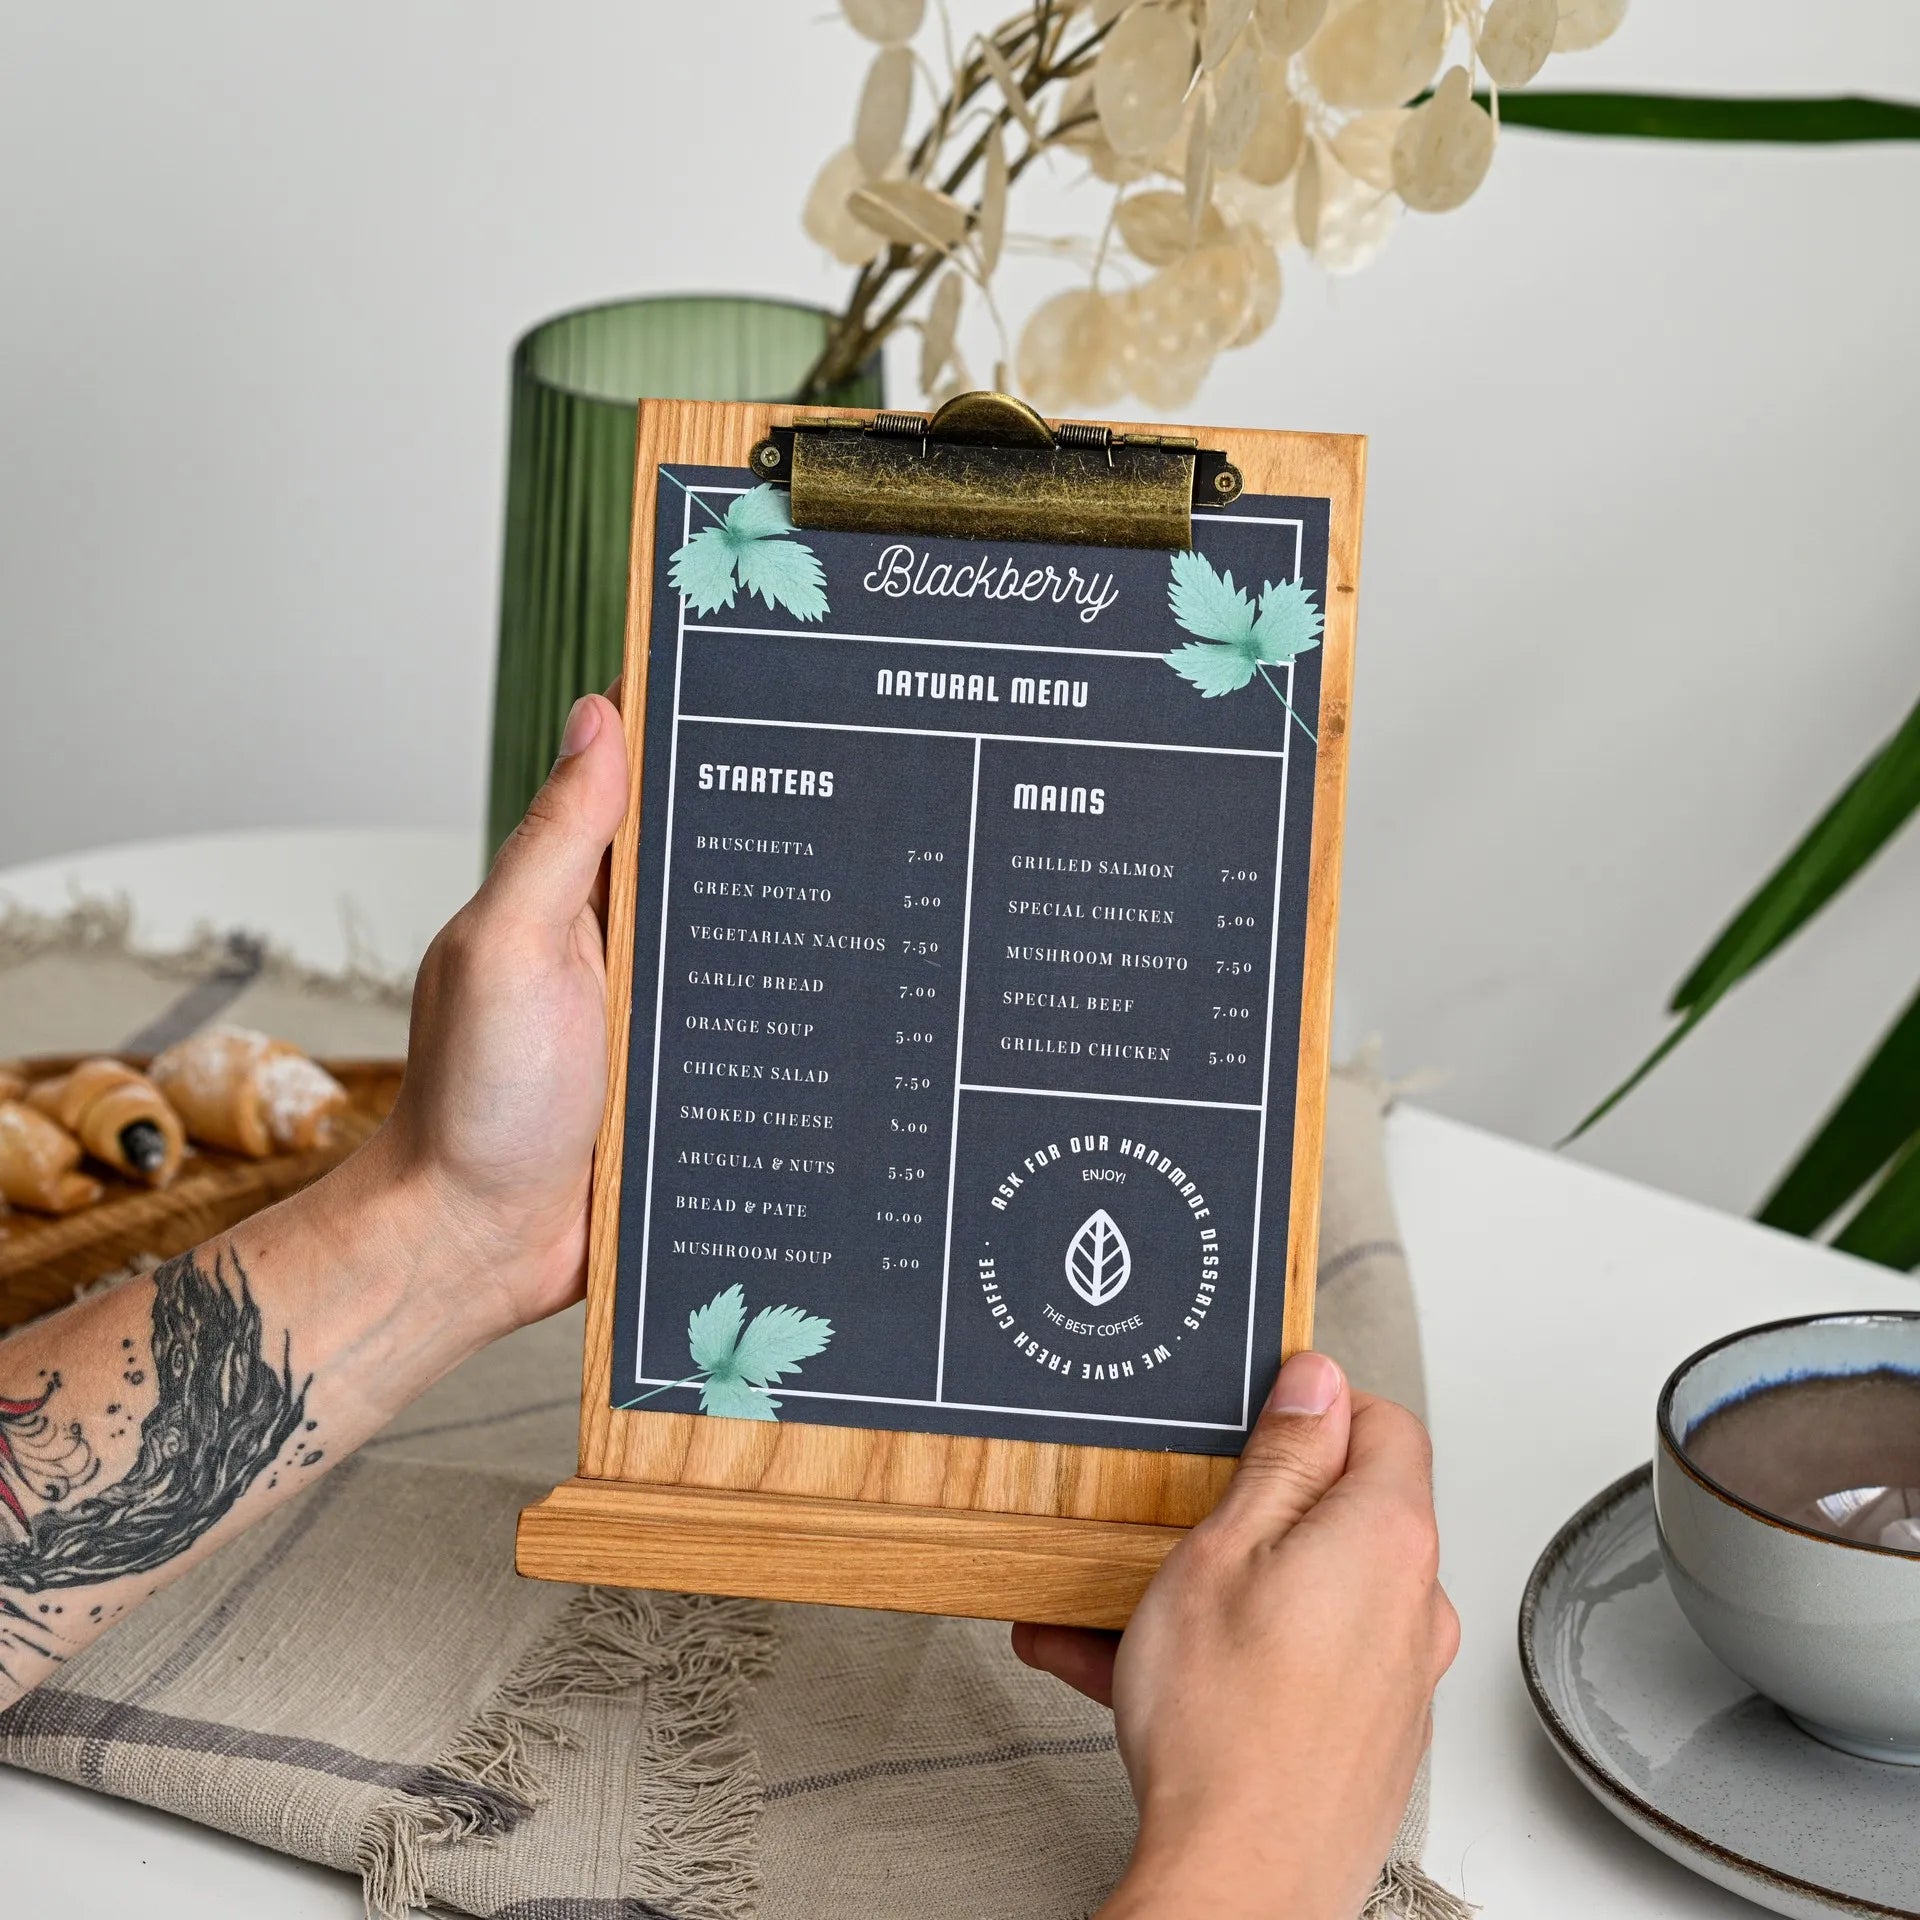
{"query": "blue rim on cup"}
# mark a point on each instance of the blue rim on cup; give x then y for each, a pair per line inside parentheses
(1828, 1628)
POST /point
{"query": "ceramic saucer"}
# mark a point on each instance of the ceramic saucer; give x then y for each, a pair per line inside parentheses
(1691, 1758)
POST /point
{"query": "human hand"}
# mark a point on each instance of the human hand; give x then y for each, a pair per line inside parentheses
(1272, 1693)
(493, 1134)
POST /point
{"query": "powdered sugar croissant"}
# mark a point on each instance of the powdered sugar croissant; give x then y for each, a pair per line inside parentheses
(241, 1090)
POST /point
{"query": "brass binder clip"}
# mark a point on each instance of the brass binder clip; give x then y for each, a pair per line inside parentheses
(988, 466)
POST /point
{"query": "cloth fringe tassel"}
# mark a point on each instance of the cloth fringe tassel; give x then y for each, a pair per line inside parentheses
(693, 1654)
(1406, 1891)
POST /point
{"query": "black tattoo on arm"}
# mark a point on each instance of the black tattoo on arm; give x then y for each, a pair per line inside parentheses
(223, 1411)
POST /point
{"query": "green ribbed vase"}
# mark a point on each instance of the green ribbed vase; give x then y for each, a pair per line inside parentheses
(563, 586)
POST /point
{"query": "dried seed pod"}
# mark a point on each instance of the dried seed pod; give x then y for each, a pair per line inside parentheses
(1378, 53)
(990, 229)
(880, 124)
(1199, 170)
(1353, 220)
(887, 21)
(1225, 20)
(1268, 210)
(1153, 226)
(1141, 76)
(1263, 284)
(1236, 105)
(1076, 105)
(943, 322)
(1516, 39)
(1168, 385)
(1364, 146)
(1444, 150)
(1287, 25)
(1273, 150)
(1052, 353)
(1585, 23)
(826, 219)
(1306, 196)
(1097, 357)
(1004, 78)
(910, 213)
(1194, 307)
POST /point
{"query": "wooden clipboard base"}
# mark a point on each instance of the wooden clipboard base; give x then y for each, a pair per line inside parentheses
(766, 1546)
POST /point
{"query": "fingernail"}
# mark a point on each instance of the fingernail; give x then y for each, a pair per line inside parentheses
(583, 723)
(1309, 1383)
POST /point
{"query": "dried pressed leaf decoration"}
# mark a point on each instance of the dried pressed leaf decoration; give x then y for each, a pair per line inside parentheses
(1223, 132)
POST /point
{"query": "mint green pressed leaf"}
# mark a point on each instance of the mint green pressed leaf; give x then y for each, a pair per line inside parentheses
(713, 1331)
(759, 515)
(702, 570)
(733, 1399)
(1289, 623)
(776, 1341)
(1672, 116)
(1207, 603)
(1887, 1227)
(1874, 806)
(1213, 667)
(1876, 1116)
(785, 573)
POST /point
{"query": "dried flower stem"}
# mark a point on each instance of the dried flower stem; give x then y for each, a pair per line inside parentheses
(900, 274)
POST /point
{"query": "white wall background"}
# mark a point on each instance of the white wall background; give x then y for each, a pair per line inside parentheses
(1641, 586)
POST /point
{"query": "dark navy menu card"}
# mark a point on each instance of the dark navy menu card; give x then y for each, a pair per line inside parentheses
(966, 993)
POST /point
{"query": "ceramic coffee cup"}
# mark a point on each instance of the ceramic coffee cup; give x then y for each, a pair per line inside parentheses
(1827, 1628)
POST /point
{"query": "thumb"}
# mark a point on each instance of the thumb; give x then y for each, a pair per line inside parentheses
(548, 866)
(1297, 1449)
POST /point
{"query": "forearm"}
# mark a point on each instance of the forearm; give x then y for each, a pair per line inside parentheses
(141, 1428)
(1225, 1868)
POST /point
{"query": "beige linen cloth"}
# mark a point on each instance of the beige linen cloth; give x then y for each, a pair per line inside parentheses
(363, 1681)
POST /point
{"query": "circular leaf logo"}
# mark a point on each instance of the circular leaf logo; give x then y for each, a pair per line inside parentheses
(1099, 1262)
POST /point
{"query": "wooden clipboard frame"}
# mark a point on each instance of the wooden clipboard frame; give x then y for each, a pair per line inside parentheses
(918, 1522)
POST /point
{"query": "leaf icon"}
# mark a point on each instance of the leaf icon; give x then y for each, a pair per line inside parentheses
(745, 550)
(738, 1366)
(1099, 1262)
(1236, 640)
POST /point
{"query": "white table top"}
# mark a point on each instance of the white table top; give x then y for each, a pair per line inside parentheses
(1554, 1301)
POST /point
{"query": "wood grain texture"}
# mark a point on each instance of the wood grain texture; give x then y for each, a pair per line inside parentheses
(847, 1553)
(42, 1261)
(915, 1472)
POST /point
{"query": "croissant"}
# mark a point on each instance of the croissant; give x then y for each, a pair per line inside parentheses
(12, 1086)
(38, 1159)
(238, 1089)
(120, 1116)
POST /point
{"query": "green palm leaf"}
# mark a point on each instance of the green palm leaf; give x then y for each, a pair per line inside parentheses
(1887, 1227)
(1669, 116)
(1876, 1116)
(1876, 804)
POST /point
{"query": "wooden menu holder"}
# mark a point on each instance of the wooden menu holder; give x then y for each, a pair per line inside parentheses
(919, 1522)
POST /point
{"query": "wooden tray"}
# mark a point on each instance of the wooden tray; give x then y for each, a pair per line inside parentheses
(43, 1260)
